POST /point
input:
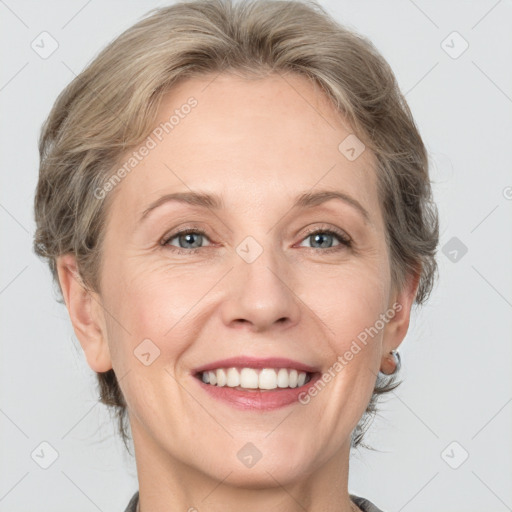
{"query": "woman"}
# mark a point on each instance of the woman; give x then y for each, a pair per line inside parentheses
(235, 203)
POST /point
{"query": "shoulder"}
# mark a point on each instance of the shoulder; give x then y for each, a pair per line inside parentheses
(132, 505)
(364, 504)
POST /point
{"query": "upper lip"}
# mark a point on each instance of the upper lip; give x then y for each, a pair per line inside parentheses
(255, 362)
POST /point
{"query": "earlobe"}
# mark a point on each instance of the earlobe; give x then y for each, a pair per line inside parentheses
(86, 314)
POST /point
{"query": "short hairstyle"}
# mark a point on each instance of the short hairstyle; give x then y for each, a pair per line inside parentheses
(111, 106)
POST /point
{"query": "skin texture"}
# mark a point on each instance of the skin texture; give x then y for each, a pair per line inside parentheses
(258, 144)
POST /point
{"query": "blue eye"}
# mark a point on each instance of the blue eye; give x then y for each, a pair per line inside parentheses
(185, 237)
(324, 237)
(189, 240)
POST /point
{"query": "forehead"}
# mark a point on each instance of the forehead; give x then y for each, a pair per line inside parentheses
(252, 141)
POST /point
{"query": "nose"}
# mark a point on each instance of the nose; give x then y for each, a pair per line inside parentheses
(261, 294)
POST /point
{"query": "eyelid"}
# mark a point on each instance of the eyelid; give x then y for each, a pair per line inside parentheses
(327, 228)
(173, 233)
(345, 240)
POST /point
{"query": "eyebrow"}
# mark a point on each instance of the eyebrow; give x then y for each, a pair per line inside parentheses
(214, 202)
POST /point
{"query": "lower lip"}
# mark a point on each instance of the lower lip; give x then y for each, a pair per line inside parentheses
(263, 400)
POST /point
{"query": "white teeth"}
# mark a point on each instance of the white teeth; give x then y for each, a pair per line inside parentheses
(233, 378)
(268, 379)
(250, 378)
(282, 378)
(221, 377)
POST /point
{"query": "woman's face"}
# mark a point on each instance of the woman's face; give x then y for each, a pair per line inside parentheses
(248, 281)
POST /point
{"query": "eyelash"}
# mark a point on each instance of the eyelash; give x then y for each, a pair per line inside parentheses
(345, 241)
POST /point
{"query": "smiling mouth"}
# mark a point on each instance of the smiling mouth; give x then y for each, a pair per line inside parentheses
(253, 379)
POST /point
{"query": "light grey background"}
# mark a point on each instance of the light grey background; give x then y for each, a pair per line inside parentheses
(457, 354)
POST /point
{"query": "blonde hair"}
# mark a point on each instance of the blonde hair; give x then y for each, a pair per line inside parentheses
(111, 107)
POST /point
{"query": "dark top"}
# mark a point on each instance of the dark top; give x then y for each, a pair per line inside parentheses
(363, 504)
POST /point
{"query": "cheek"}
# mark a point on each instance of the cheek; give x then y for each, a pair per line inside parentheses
(349, 303)
(150, 313)
(154, 303)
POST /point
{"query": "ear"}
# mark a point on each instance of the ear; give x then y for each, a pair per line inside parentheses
(86, 314)
(401, 302)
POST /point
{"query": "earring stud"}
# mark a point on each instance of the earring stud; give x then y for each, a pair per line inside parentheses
(398, 365)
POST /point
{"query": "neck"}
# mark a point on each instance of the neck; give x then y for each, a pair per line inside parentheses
(354, 507)
(167, 483)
